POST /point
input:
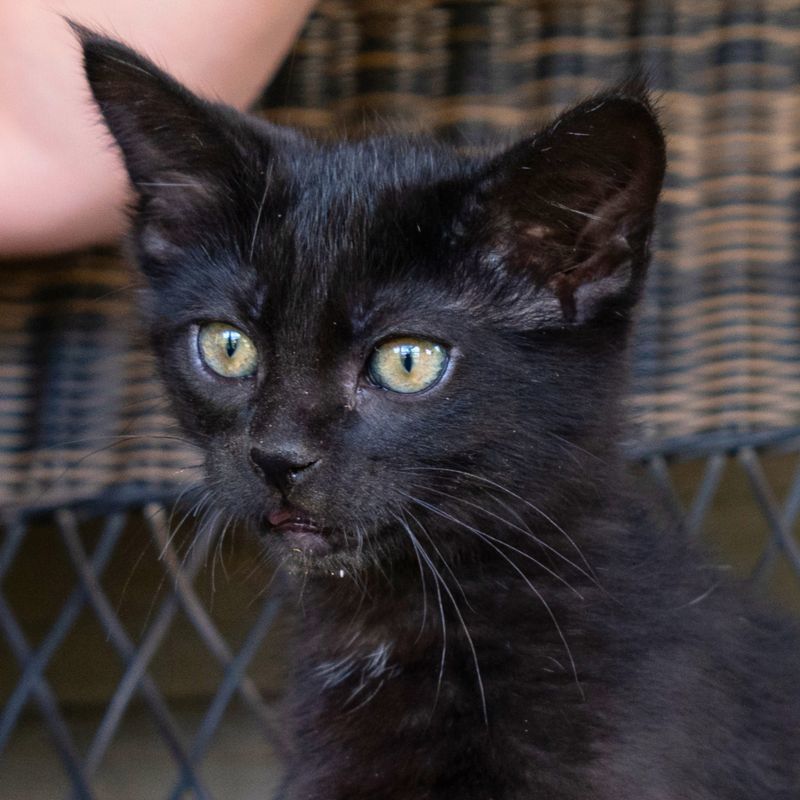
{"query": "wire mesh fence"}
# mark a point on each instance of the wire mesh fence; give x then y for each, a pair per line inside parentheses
(91, 595)
(765, 487)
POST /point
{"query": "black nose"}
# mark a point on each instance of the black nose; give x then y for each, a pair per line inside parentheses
(283, 469)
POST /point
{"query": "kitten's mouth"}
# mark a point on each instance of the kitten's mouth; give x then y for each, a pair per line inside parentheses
(299, 532)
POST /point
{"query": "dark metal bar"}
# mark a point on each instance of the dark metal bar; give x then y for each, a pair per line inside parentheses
(228, 686)
(203, 624)
(658, 469)
(15, 533)
(48, 705)
(792, 506)
(124, 646)
(715, 468)
(36, 664)
(137, 666)
(762, 491)
(702, 445)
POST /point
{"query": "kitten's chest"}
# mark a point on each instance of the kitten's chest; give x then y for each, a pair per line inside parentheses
(351, 679)
(392, 722)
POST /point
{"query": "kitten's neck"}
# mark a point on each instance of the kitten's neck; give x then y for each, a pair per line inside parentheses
(439, 662)
(533, 580)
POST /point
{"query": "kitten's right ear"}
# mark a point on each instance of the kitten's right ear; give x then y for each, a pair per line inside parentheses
(178, 150)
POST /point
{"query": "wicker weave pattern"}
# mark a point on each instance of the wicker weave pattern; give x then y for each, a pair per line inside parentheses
(718, 350)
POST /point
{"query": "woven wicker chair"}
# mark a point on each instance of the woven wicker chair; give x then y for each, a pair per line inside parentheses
(85, 437)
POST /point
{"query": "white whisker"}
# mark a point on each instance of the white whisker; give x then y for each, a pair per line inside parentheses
(258, 218)
(524, 531)
(532, 506)
(514, 566)
(463, 623)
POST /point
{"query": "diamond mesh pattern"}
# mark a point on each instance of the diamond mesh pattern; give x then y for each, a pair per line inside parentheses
(33, 689)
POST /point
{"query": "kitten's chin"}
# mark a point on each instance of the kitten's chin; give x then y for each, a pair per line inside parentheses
(303, 546)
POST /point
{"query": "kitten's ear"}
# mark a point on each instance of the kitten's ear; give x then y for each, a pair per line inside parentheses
(573, 207)
(178, 149)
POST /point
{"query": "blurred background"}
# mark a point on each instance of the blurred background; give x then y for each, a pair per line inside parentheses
(133, 665)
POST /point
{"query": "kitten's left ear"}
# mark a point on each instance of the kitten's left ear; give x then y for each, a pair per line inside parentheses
(573, 207)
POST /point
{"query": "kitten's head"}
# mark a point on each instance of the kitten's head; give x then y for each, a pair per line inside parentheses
(368, 337)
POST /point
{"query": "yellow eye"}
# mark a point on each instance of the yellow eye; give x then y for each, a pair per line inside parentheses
(226, 350)
(407, 365)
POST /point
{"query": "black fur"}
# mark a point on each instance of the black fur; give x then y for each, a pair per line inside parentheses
(489, 610)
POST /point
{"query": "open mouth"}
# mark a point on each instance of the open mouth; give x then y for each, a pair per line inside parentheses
(290, 520)
(299, 532)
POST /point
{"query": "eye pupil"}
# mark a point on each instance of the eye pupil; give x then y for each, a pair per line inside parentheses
(227, 351)
(407, 364)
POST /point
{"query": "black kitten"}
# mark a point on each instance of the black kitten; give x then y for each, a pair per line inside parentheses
(405, 367)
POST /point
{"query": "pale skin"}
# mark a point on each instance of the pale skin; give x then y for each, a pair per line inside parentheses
(62, 183)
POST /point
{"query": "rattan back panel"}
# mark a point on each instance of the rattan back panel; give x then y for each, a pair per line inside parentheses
(718, 345)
